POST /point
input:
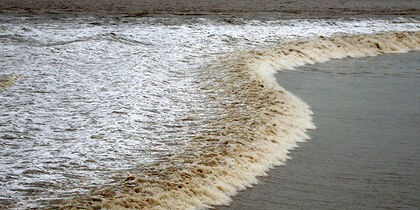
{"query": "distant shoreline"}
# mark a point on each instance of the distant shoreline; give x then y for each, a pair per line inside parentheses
(212, 7)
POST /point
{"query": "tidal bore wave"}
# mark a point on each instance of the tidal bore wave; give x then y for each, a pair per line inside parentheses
(255, 132)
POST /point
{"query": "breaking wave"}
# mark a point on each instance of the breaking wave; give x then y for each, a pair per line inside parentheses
(253, 133)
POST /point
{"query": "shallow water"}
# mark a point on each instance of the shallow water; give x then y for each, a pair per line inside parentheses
(364, 152)
(100, 96)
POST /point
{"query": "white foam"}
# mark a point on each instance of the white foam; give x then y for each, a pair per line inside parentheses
(273, 124)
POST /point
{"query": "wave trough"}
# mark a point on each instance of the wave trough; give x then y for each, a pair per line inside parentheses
(256, 131)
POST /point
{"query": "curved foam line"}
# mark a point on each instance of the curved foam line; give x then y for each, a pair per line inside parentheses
(261, 127)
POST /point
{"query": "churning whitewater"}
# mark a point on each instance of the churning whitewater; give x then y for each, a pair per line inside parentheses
(256, 133)
(157, 123)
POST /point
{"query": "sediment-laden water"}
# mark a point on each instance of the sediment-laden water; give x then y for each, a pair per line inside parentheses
(160, 112)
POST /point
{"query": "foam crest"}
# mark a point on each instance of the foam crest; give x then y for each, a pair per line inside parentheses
(255, 132)
(298, 53)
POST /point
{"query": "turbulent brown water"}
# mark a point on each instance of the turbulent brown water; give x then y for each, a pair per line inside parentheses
(115, 111)
(256, 133)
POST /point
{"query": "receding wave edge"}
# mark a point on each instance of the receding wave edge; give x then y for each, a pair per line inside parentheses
(257, 131)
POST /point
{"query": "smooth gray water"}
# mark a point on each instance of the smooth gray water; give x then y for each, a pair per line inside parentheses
(365, 152)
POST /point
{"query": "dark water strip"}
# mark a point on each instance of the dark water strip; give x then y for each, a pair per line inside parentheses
(364, 153)
(182, 7)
